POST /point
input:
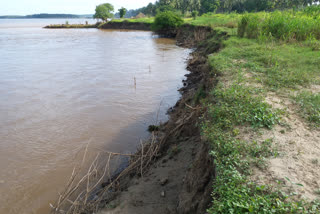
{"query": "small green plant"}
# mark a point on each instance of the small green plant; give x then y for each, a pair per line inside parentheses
(310, 106)
(153, 128)
(200, 94)
(67, 22)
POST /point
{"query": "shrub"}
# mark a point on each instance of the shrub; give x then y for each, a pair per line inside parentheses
(195, 14)
(167, 20)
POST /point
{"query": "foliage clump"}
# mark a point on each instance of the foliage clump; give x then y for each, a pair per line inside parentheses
(195, 14)
(122, 12)
(104, 12)
(165, 21)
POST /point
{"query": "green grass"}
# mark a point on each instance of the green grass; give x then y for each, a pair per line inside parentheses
(216, 20)
(144, 20)
(236, 105)
(310, 106)
(274, 64)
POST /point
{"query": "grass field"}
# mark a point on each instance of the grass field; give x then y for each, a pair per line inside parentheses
(280, 55)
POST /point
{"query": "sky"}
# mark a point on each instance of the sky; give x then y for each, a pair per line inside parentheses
(27, 7)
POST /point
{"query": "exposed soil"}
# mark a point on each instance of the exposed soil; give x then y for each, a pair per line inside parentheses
(297, 167)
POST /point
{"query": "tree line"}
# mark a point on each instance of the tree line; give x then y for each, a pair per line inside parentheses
(221, 6)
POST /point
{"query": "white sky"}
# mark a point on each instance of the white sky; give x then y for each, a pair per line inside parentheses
(27, 7)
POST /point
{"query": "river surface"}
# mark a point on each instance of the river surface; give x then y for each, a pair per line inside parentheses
(62, 89)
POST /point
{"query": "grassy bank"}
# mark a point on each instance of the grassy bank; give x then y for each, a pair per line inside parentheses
(249, 70)
(278, 58)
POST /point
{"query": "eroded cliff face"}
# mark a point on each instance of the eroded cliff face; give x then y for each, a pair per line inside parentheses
(125, 25)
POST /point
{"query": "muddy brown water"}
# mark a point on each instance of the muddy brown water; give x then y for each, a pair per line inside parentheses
(62, 89)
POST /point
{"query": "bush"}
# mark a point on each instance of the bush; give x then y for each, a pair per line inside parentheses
(195, 14)
(166, 21)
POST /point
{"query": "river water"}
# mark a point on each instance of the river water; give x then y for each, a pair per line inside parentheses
(62, 89)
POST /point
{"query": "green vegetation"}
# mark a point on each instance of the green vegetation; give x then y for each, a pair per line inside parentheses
(236, 104)
(195, 14)
(273, 64)
(310, 106)
(227, 21)
(166, 21)
(186, 7)
(104, 12)
(122, 12)
(143, 20)
(286, 26)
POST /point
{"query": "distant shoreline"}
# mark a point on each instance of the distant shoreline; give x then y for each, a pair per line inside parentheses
(48, 16)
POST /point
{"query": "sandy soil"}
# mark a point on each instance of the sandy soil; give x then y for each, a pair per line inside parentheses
(298, 164)
(158, 191)
(299, 149)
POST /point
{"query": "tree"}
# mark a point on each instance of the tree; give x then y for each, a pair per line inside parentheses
(209, 6)
(150, 9)
(122, 12)
(104, 12)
